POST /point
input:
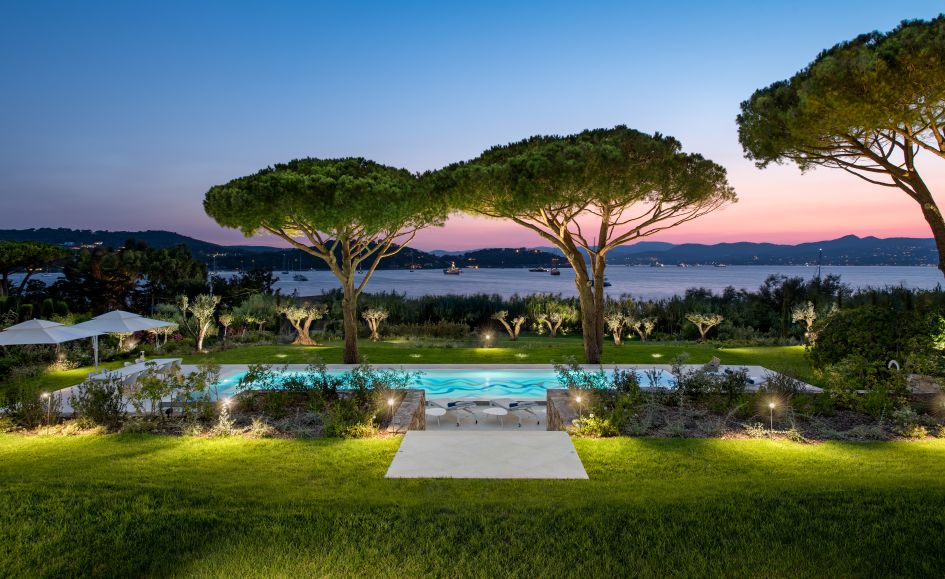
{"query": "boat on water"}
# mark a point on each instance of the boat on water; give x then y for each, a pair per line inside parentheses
(539, 269)
(656, 264)
(682, 265)
(554, 271)
(720, 265)
(606, 283)
(452, 269)
(299, 277)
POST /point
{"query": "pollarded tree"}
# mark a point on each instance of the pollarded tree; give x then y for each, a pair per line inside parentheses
(616, 322)
(553, 315)
(28, 257)
(704, 322)
(374, 317)
(589, 193)
(807, 314)
(301, 317)
(351, 213)
(642, 326)
(226, 320)
(513, 329)
(872, 106)
(198, 316)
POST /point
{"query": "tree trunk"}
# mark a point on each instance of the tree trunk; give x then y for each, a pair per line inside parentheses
(934, 218)
(302, 337)
(26, 279)
(592, 349)
(599, 263)
(200, 336)
(349, 310)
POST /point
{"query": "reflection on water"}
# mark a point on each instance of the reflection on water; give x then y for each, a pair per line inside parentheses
(641, 282)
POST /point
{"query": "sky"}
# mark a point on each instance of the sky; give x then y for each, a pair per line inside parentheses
(120, 115)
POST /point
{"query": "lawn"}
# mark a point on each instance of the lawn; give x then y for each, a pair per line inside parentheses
(531, 350)
(123, 505)
(528, 350)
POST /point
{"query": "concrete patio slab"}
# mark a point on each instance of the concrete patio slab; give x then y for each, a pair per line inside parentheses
(487, 454)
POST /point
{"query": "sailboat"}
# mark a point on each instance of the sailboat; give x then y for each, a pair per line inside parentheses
(298, 276)
(554, 267)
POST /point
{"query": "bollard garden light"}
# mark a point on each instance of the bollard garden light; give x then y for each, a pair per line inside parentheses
(46, 396)
(771, 409)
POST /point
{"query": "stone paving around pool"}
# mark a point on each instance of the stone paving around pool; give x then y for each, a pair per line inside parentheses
(484, 417)
(487, 455)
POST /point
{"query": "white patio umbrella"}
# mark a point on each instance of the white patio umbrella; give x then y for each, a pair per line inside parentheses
(43, 332)
(119, 322)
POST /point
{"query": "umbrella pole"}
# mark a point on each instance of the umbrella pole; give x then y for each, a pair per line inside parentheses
(95, 350)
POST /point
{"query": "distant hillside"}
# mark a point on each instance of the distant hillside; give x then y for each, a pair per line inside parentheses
(156, 239)
(849, 250)
(232, 257)
(506, 257)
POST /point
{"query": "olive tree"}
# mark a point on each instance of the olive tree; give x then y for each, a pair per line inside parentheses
(226, 320)
(374, 317)
(351, 213)
(704, 322)
(616, 322)
(301, 317)
(553, 315)
(513, 329)
(807, 314)
(197, 316)
(589, 193)
(873, 106)
(642, 326)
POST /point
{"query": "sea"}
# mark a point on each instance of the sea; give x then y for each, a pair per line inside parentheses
(641, 282)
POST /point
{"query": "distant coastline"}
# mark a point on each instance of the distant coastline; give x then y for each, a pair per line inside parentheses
(849, 250)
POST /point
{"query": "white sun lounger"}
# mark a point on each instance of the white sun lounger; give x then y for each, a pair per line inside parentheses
(455, 406)
(516, 406)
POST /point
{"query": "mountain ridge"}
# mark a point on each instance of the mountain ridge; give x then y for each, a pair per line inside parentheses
(845, 250)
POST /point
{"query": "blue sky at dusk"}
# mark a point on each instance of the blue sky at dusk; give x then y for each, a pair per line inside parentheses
(120, 115)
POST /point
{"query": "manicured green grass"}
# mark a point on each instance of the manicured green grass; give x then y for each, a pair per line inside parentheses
(134, 505)
(528, 350)
(55, 380)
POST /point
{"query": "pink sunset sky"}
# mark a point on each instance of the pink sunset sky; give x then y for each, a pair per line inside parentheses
(111, 121)
(778, 205)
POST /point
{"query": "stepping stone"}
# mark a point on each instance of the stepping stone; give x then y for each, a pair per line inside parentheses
(487, 454)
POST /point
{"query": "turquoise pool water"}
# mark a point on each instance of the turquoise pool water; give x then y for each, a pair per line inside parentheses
(480, 384)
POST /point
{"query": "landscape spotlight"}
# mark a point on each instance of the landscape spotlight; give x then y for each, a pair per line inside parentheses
(771, 406)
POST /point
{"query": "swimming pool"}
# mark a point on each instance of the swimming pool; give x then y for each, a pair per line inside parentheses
(480, 384)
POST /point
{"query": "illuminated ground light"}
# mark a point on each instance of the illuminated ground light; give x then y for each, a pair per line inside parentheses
(416, 355)
(521, 355)
(282, 355)
(656, 355)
